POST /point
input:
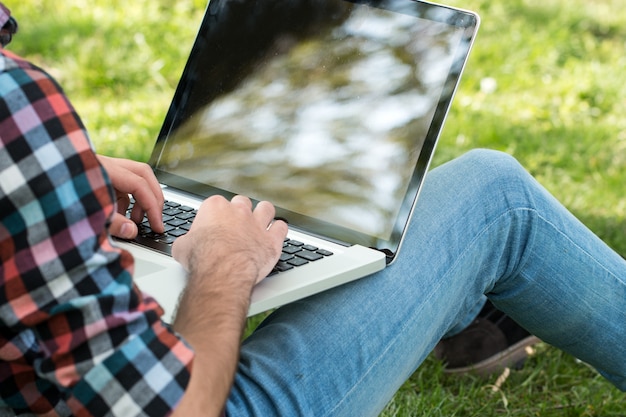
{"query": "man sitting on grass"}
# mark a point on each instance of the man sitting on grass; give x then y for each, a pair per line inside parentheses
(78, 338)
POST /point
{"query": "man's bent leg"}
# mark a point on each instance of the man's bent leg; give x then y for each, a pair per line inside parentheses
(481, 226)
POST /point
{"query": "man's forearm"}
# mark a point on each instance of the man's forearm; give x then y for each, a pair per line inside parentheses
(211, 318)
(231, 246)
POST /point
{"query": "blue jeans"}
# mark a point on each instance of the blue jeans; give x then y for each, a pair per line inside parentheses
(482, 226)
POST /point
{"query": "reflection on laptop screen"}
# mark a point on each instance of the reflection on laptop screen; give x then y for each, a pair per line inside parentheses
(321, 107)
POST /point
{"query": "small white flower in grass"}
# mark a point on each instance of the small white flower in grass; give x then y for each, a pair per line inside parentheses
(488, 85)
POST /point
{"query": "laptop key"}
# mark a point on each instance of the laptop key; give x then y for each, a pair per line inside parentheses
(282, 266)
(172, 211)
(309, 256)
(291, 249)
(177, 232)
(295, 261)
(167, 239)
(186, 216)
(285, 257)
(176, 222)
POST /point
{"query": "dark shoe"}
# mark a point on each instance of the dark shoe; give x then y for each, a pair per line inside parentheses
(491, 343)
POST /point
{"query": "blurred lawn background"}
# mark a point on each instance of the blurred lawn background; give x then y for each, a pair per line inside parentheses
(546, 82)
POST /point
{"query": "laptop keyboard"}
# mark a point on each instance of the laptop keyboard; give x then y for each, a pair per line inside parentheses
(177, 220)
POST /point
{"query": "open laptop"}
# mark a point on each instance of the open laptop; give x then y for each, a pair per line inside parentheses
(330, 109)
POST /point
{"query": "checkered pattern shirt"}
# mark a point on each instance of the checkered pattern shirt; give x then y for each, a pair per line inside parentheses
(76, 336)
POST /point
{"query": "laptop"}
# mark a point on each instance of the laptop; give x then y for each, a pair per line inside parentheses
(329, 109)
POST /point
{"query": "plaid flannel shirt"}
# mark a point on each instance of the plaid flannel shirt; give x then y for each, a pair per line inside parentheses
(76, 336)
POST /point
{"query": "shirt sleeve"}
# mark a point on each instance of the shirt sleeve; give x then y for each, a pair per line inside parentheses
(77, 337)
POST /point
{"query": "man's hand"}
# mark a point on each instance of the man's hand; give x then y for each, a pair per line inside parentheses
(229, 249)
(138, 180)
(225, 230)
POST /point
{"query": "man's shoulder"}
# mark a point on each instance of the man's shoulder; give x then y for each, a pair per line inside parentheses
(10, 61)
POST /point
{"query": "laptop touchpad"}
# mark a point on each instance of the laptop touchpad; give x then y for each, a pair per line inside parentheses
(144, 267)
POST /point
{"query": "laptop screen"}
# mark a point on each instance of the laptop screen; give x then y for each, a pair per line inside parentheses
(330, 109)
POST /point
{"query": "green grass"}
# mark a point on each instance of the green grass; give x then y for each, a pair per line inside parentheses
(546, 82)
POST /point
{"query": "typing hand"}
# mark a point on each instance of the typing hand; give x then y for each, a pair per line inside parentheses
(232, 234)
(136, 179)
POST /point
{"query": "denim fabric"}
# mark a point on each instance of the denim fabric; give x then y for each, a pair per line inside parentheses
(482, 226)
